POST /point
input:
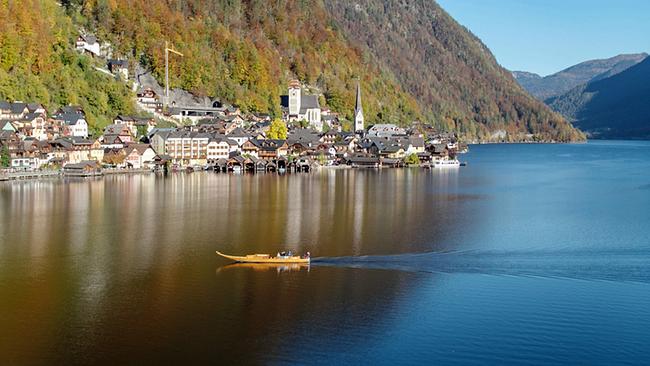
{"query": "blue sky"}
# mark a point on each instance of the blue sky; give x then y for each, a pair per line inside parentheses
(546, 36)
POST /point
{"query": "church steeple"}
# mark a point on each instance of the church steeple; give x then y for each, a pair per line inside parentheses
(358, 111)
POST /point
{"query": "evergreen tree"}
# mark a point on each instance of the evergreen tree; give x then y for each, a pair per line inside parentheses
(5, 158)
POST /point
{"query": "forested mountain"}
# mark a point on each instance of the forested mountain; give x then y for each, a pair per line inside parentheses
(614, 107)
(448, 69)
(565, 80)
(414, 61)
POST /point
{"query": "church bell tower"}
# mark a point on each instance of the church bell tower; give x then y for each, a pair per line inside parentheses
(358, 112)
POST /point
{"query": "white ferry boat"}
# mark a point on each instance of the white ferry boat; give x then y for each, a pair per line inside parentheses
(442, 164)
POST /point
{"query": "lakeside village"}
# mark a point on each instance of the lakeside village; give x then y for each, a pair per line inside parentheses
(219, 138)
(35, 143)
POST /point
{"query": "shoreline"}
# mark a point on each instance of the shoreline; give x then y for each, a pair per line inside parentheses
(42, 176)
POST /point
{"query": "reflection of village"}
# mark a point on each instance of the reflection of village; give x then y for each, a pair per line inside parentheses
(170, 231)
(219, 138)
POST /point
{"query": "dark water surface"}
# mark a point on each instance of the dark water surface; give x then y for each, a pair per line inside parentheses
(532, 254)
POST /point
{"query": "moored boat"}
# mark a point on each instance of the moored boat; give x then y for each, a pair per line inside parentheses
(446, 163)
(266, 258)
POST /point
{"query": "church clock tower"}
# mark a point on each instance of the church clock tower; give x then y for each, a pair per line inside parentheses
(294, 97)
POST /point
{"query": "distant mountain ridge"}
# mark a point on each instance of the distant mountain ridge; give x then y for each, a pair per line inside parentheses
(617, 106)
(561, 82)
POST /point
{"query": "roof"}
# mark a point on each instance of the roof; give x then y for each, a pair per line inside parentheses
(89, 38)
(140, 148)
(162, 132)
(123, 63)
(13, 108)
(117, 129)
(308, 101)
(3, 125)
(304, 136)
(238, 132)
(34, 106)
(71, 109)
(31, 116)
(222, 138)
(268, 145)
(70, 118)
(417, 141)
(363, 159)
(83, 165)
(357, 105)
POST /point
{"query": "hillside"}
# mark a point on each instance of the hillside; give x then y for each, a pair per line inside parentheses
(447, 68)
(38, 63)
(565, 80)
(614, 107)
(415, 62)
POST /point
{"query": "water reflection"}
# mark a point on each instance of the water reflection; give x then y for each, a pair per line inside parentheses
(87, 257)
(122, 269)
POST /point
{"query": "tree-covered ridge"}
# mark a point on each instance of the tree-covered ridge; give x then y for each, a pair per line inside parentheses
(449, 70)
(414, 61)
(38, 63)
(246, 51)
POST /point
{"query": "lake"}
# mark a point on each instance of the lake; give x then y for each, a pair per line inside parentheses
(532, 254)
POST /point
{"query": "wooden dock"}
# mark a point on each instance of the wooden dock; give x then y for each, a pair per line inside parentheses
(29, 175)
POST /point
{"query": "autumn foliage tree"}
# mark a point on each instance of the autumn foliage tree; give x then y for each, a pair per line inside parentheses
(277, 130)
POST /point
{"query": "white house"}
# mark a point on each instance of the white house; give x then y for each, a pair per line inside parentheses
(139, 156)
(218, 149)
(187, 148)
(239, 135)
(88, 43)
(148, 99)
(74, 124)
(119, 68)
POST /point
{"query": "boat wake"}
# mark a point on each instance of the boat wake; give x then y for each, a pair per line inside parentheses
(626, 266)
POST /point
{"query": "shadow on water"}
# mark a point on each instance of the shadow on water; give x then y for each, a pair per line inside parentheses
(602, 265)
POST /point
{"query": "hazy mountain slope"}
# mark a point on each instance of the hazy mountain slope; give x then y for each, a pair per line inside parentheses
(528, 80)
(565, 80)
(614, 107)
(445, 67)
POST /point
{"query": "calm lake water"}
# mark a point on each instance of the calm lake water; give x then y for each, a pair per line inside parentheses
(532, 254)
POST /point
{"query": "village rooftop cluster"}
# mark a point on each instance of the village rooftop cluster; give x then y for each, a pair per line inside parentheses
(31, 139)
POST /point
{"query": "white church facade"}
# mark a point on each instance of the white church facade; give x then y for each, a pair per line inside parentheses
(301, 106)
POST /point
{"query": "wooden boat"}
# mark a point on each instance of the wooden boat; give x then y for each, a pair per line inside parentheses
(265, 258)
